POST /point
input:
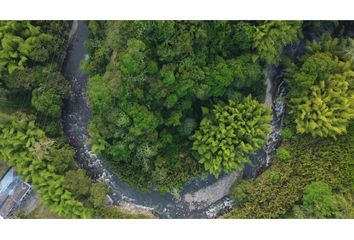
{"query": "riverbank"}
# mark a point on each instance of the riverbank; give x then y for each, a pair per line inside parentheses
(199, 196)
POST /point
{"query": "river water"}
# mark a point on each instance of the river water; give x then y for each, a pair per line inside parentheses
(201, 198)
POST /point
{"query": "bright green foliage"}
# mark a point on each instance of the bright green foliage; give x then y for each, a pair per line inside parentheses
(115, 212)
(327, 110)
(46, 101)
(30, 56)
(322, 96)
(148, 81)
(272, 36)
(21, 42)
(287, 133)
(282, 154)
(318, 200)
(26, 148)
(274, 193)
(231, 133)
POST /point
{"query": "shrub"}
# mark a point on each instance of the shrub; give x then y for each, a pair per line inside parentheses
(98, 194)
(287, 133)
(282, 154)
(275, 176)
(79, 183)
(318, 200)
(240, 192)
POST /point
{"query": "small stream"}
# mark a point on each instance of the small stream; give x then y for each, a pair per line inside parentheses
(201, 198)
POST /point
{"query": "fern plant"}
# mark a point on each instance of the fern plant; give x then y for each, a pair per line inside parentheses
(20, 42)
(28, 149)
(230, 133)
(321, 89)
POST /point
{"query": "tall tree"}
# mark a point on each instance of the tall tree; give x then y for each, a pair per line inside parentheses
(22, 42)
(146, 98)
(28, 149)
(230, 133)
(321, 89)
(272, 36)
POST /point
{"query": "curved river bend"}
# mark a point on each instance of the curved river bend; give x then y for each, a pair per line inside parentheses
(201, 198)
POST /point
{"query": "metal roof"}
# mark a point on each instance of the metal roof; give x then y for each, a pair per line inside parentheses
(12, 192)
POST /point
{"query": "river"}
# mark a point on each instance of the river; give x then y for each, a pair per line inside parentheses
(201, 198)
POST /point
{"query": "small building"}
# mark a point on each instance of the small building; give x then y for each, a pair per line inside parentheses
(12, 192)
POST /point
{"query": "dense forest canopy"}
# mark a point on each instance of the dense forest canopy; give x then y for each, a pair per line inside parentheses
(154, 80)
(312, 174)
(175, 100)
(32, 90)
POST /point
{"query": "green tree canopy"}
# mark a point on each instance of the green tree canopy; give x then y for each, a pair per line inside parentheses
(22, 42)
(230, 133)
(318, 200)
(31, 153)
(78, 182)
(322, 96)
(98, 194)
(149, 79)
(271, 37)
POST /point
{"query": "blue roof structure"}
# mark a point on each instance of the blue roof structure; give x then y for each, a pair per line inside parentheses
(12, 192)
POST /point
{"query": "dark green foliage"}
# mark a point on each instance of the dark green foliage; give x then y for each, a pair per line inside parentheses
(92, 194)
(98, 195)
(275, 192)
(232, 132)
(31, 153)
(59, 30)
(98, 49)
(31, 54)
(149, 79)
(3, 168)
(24, 79)
(79, 183)
(47, 98)
(240, 192)
(45, 89)
(272, 36)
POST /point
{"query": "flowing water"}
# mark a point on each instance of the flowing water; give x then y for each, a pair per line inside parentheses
(201, 198)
